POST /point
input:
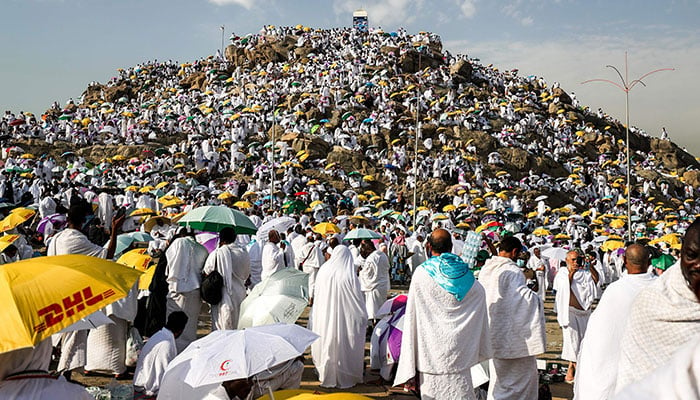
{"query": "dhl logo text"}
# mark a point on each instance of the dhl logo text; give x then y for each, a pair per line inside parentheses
(56, 312)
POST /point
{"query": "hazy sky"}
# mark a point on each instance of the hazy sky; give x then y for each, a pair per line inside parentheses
(51, 49)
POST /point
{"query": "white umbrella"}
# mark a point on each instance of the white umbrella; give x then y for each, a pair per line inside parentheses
(280, 224)
(225, 355)
(540, 198)
(555, 253)
(280, 298)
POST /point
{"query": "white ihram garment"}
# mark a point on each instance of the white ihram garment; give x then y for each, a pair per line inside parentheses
(340, 318)
(443, 338)
(374, 282)
(272, 260)
(596, 371)
(573, 321)
(233, 263)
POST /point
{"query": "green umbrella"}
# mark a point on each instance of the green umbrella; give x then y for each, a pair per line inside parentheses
(216, 218)
(294, 206)
(362, 233)
(315, 128)
(663, 261)
(126, 239)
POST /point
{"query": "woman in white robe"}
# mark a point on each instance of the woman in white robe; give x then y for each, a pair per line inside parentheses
(340, 318)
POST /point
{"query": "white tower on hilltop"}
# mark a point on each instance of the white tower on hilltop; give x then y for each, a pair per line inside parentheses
(359, 20)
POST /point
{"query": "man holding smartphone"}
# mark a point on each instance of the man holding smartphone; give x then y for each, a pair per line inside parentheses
(576, 287)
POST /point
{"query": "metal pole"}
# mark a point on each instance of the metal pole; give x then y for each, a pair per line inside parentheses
(222, 42)
(626, 87)
(627, 132)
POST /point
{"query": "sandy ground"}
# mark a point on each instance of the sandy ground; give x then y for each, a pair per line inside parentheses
(370, 388)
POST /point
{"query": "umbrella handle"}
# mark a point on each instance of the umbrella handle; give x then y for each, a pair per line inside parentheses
(269, 392)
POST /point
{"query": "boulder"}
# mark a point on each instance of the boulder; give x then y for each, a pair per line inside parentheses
(461, 71)
(196, 80)
(692, 178)
(563, 96)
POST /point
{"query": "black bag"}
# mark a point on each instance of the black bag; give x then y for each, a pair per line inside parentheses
(211, 287)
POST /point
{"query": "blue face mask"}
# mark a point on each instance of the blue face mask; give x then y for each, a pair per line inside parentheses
(520, 263)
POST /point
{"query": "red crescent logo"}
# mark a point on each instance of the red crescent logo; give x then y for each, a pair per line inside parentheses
(225, 365)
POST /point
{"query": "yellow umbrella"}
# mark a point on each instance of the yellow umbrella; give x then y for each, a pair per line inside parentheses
(300, 394)
(562, 236)
(243, 204)
(224, 196)
(131, 188)
(478, 201)
(161, 185)
(315, 203)
(16, 218)
(119, 157)
(146, 189)
(670, 239)
(312, 182)
(326, 228)
(370, 193)
(617, 224)
(43, 295)
(140, 212)
(449, 207)
(361, 197)
(541, 232)
(136, 258)
(170, 201)
(27, 156)
(146, 278)
(368, 178)
(7, 240)
(611, 245)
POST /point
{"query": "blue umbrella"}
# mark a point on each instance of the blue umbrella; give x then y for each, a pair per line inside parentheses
(367, 120)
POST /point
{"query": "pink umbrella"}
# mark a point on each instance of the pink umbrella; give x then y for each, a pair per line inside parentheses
(210, 240)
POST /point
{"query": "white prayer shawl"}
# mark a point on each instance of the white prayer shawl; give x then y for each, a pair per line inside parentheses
(72, 241)
(233, 263)
(280, 377)
(298, 244)
(596, 371)
(26, 359)
(340, 318)
(516, 313)
(272, 260)
(443, 336)
(185, 261)
(153, 360)
(582, 286)
(106, 347)
(513, 379)
(676, 380)
(374, 282)
(665, 315)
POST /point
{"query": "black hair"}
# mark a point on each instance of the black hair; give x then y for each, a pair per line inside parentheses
(176, 321)
(509, 244)
(227, 235)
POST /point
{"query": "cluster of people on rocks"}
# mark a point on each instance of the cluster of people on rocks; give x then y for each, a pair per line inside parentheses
(479, 256)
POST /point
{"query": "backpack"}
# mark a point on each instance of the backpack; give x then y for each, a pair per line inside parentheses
(211, 288)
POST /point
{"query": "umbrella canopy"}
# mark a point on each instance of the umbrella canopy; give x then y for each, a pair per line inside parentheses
(280, 224)
(280, 298)
(43, 295)
(614, 244)
(16, 217)
(216, 218)
(126, 239)
(227, 355)
(663, 261)
(243, 204)
(58, 220)
(136, 258)
(555, 253)
(294, 206)
(152, 221)
(541, 231)
(140, 212)
(326, 228)
(6, 241)
(209, 240)
(362, 233)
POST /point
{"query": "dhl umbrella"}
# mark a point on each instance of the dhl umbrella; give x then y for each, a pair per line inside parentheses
(137, 258)
(299, 394)
(16, 217)
(43, 295)
(6, 241)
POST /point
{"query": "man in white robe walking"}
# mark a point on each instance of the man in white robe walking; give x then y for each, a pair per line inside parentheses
(233, 263)
(576, 289)
(183, 273)
(596, 373)
(311, 259)
(516, 325)
(445, 329)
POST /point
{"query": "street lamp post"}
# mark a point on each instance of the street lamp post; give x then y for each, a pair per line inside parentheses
(626, 87)
(417, 136)
(222, 42)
